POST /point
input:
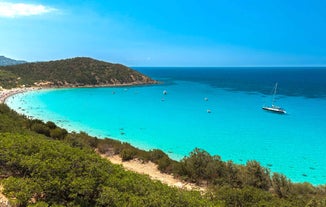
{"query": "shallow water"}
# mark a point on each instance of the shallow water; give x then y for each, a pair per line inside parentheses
(236, 129)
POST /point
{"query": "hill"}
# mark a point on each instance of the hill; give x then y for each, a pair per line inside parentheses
(7, 61)
(74, 72)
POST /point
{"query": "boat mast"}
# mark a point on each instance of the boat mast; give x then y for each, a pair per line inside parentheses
(275, 88)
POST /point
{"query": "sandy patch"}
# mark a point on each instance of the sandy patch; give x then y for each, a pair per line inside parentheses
(3, 200)
(150, 169)
(6, 93)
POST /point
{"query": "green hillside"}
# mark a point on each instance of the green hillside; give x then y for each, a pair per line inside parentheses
(73, 72)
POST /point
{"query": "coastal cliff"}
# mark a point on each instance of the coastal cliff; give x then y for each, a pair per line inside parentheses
(74, 72)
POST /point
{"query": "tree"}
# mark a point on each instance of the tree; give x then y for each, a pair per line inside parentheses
(58, 133)
(281, 185)
(200, 166)
(41, 129)
(257, 176)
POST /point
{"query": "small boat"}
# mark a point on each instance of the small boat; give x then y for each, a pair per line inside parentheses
(274, 108)
(165, 92)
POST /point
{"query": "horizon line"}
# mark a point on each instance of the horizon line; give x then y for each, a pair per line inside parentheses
(249, 66)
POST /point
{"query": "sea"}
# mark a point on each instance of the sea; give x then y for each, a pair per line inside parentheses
(218, 110)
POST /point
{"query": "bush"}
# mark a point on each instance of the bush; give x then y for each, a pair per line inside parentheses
(156, 155)
(164, 165)
(127, 154)
(51, 125)
(22, 189)
(58, 133)
(41, 129)
(201, 166)
(257, 176)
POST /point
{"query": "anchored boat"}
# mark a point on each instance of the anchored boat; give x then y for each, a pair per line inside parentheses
(274, 108)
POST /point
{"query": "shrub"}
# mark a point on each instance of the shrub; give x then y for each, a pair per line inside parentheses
(58, 133)
(41, 129)
(127, 154)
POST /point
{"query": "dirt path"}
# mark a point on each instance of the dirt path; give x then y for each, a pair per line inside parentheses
(150, 169)
(3, 199)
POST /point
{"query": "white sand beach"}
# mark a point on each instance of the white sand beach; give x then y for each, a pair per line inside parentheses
(6, 93)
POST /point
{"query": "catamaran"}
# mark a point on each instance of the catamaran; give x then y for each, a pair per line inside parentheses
(274, 108)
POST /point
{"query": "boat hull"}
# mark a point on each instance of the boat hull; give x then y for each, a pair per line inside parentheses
(275, 110)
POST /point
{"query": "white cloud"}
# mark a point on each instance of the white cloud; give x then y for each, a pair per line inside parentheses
(8, 9)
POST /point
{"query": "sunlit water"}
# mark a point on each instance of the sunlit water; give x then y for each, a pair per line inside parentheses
(236, 128)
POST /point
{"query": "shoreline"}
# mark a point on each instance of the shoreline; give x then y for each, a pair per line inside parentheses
(80, 129)
(134, 165)
(6, 93)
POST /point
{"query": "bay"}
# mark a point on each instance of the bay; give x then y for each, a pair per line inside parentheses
(236, 128)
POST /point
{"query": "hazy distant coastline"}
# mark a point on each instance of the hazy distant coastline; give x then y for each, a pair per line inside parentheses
(4, 61)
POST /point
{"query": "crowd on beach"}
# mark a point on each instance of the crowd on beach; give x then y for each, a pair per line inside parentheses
(6, 93)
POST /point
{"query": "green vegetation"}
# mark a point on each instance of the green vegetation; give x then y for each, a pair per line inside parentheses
(69, 73)
(40, 171)
(44, 165)
(8, 79)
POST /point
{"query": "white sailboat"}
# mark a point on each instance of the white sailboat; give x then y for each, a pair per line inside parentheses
(274, 108)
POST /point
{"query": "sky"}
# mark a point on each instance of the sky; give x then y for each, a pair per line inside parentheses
(167, 33)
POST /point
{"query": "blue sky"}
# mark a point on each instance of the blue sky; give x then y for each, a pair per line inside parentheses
(167, 33)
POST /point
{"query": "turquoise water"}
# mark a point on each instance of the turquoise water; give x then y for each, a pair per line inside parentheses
(236, 129)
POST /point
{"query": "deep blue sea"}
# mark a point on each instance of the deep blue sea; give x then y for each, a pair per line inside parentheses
(236, 128)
